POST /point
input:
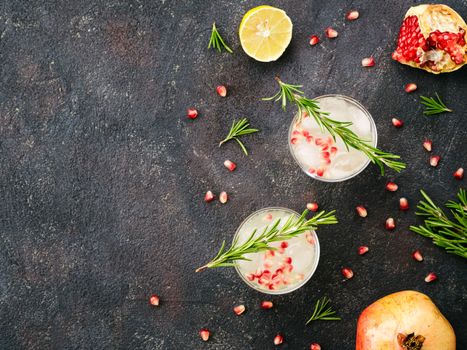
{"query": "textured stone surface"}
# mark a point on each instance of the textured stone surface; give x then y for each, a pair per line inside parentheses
(102, 176)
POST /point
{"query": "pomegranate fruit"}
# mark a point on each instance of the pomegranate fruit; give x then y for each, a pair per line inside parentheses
(406, 320)
(432, 37)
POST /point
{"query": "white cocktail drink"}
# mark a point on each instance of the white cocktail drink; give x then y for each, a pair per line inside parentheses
(282, 270)
(318, 154)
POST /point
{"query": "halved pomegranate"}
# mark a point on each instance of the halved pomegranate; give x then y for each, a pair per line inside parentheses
(432, 37)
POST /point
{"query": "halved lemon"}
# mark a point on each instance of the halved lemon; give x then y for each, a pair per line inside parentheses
(265, 32)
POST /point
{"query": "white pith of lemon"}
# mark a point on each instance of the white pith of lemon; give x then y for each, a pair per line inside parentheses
(265, 32)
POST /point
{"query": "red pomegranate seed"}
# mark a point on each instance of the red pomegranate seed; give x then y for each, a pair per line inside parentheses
(459, 174)
(331, 33)
(287, 260)
(154, 300)
(267, 304)
(434, 160)
(427, 145)
(312, 206)
(363, 250)
(333, 150)
(319, 141)
(223, 197)
(191, 113)
(221, 90)
(397, 122)
(284, 244)
(361, 211)
(239, 309)
(315, 346)
(278, 339)
(204, 334)
(403, 204)
(209, 196)
(230, 165)
(294, 140)
(268, 217)
(391, 186)
(352, 15)
(410, 87)
(320, 171)
(309, 238)
(390, 224)
(431, 277)
(250, 276)
(368, 62)
(347, 273)
(417, 255)
(314, 40)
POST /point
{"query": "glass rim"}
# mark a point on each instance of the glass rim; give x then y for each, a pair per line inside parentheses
(374, 143)
(298, 285)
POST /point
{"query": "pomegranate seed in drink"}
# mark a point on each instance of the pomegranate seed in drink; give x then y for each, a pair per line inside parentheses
(363, 250)
(278, 339)
(239, 309)
(403, 204)
(427, 145)
(250, 276)
(431, 277)
(312, 206)
(267, 304)
(459, 174)
(314, 40)
(397, 122)
(154, 300)
(410, 87)
(361, 211)
(390, 224)
(368, 62)
(352, 15)
(284, 244)
(209, 196)
(315, 346)
(417, 255)
(309, 238)
(294, 140)
(191, 113)
(391, 186)
(320, 171)
(347, 273)
(204, 334)
(434, 160)
(331, 33)
(230, 165)
(221, 90)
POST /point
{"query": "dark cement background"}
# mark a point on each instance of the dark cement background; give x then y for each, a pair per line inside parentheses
(102, 176)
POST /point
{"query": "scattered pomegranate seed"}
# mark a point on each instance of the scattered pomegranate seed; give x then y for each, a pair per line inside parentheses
(209, 196)
(347, 273)
(368, 62)
(221, 90)
(434, 160)
(154, 300)
(403, 204)
(240, 309)
(315, 346)
(191, 113)
(431, 277)
(352, 15)
(417, 255)
(267, 304)
(204, 334)
(397, 122)
(314, 40)
(410, 87)
(459, 174)
(363, 250)
(278, 339)
(230, 165)
(427, 145)
(390, 224)
(391, 186)
(331, 33)
(312, 206)
(361, 211)
(223, 197)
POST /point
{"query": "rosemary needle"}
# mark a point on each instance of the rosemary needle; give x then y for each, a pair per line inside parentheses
(433, 106)
(238, 129)
(216, 41)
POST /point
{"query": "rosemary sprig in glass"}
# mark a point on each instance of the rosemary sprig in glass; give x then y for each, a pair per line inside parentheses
(323, 311)
(450, 234)
(238, 129)
(258, 243)
(216, 41)
(433, 106)
(293, 94)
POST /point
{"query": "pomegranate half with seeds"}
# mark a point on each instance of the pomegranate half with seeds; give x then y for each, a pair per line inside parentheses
(433, 38)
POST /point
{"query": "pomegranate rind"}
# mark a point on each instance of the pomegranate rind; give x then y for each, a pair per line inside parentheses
(438, 17)
(404, 312)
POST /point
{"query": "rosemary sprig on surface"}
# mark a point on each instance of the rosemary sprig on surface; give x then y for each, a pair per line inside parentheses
(433, 106)
(323, 311)
(216, 41)
(258, 243)
(293, 94)
(450, 234)
(238, 129)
